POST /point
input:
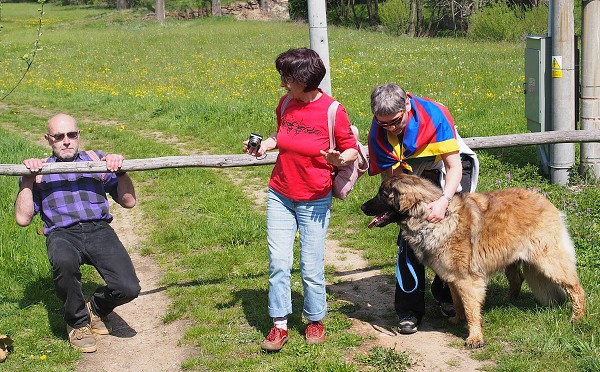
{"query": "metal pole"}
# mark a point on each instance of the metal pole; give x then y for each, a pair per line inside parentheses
(317, 23)
(562, 156)
(590, 84)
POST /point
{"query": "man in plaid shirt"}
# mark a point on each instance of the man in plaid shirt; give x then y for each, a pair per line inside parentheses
(74, 209)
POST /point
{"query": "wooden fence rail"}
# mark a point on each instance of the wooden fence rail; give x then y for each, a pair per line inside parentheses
(242, 160)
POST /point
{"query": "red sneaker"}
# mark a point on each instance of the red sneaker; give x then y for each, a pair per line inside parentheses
(315, 333)
(275, 340)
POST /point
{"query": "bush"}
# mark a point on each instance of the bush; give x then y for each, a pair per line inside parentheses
(495, 23)
(394, 15)
(536, 21)
(298, 10)
(500, 22)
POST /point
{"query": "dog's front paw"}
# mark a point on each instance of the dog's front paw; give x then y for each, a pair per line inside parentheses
(475, 342)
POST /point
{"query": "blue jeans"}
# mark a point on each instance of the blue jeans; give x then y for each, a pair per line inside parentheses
(93, 243)
(284, 218)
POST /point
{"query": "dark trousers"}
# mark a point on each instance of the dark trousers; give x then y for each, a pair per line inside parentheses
(93, 243)
(413, 304)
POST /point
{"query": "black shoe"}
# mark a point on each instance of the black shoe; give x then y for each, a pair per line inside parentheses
(447, 309)
(408, 325)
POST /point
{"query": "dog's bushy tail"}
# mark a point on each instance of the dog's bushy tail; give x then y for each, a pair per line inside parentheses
(546, 292)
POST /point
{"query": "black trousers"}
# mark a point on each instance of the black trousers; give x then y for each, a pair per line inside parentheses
(413, 304)
(93, 243)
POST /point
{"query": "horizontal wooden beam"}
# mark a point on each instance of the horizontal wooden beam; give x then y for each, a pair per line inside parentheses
(537, 138)
(244, 160)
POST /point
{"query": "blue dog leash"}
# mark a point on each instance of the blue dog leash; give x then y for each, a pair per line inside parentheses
(410, 268)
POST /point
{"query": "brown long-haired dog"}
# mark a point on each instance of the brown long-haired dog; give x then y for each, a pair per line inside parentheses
(483, 233)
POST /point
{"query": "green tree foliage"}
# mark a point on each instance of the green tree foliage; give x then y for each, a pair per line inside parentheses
(394, 16)
(298, 9)
(501, 22)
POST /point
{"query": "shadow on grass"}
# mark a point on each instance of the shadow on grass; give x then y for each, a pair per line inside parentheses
(371, 300)
(254, 303)
(42, 291)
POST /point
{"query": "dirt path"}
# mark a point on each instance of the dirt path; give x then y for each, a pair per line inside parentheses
(140, 341)
(373, 297)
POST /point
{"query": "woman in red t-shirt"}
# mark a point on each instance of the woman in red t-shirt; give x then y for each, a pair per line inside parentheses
(299, 195)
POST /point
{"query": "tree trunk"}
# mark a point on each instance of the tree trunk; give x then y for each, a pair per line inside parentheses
(452, 9)
(420, 18)
(370, 12)
(413, 16)
(160, 11)
(121, 4)
(216, 8)
(430, 24)
(264, 6)
(356, 18)
(343, 11)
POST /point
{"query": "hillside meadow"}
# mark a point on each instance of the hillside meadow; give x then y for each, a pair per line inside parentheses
(201, 87)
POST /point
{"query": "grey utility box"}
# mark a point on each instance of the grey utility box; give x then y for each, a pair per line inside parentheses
(538, 83)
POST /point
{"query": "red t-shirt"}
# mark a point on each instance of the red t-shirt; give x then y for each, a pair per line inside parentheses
(301, 172)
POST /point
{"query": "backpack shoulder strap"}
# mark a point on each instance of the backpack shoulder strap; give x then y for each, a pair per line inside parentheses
(331, 112)
(284, 104)
(92, 154)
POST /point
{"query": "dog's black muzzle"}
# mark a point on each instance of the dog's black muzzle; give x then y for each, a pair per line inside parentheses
(384, 214)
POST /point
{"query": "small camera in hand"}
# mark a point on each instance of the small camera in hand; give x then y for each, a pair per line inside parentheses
(254, 141)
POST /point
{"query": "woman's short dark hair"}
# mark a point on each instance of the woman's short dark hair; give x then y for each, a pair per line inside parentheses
(301, 65)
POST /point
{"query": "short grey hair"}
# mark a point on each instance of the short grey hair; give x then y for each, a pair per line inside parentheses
(387, 99)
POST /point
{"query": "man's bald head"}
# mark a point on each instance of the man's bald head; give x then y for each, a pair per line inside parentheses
(63, 135)
(58, 119)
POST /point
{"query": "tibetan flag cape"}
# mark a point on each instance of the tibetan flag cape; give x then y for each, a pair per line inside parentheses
(429, 133)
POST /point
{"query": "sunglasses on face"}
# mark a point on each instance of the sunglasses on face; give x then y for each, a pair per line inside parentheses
(61, 136)
(392, 123)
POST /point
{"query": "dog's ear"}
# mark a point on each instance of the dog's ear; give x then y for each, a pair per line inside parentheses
(406, 192)
(417, 189)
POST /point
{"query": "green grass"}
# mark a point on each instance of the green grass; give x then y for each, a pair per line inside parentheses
(202, 86)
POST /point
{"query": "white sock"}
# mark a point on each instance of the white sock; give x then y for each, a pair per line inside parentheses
(281, 322)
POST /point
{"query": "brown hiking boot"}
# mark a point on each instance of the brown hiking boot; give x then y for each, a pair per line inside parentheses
(100, 326)
(275, 340)
(5, 347)
(82, 338)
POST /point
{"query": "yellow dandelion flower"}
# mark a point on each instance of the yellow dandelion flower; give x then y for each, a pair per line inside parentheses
(43, 357)
(31, 357)
(489, 95)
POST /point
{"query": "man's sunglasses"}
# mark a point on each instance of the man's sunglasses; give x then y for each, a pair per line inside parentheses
(61, 136)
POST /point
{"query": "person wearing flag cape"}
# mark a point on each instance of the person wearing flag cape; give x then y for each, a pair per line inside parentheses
(415, 135)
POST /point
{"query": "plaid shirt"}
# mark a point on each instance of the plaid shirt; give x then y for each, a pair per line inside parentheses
(68, 198)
